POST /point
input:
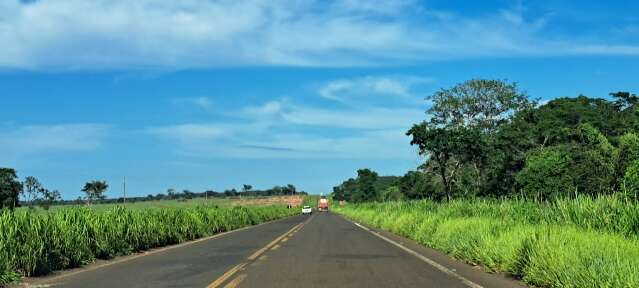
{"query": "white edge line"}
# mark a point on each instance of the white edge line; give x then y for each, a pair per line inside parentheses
(423, 258)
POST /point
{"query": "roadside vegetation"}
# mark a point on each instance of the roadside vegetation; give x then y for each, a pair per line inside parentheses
(40, 232)
(546, 191)
(33, 243)
(579, 242)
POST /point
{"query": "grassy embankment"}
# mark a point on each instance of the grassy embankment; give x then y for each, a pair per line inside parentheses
(35, 243)
(568, 243)
(220, 202)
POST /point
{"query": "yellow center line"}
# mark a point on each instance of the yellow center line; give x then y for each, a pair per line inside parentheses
(253, 256)
(269, 245)
(227, 275)
(235, 281)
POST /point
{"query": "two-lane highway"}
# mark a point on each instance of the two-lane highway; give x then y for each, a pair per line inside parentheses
(322, 250)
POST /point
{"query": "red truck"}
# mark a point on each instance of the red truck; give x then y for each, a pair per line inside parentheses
(322, 204)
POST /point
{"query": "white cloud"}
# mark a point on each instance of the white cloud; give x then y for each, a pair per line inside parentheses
(391, 88)
(372, 118)
(202, 102)
(268, 108)
(78, 34)
(52, 138)
(280, 129)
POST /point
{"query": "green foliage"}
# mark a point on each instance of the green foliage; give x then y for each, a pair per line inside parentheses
(583, 242)
(10, 188)
(418, 185)
(37, 243)
(628, 152)
(392, 193)
(631, 180)
(365, 186)
(95, 190)
(547, 174)
(31, 188)
(474, 148)
(458, 137)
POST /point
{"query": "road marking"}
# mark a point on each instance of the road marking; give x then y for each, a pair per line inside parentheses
(263, 257)
(252, 258)
(285, 239)
(235, 282)
(269, 245)
(423, 258)
(226, 275)
(276, 247)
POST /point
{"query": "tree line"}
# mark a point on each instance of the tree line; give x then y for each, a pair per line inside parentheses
(35, 194)
(487, 138)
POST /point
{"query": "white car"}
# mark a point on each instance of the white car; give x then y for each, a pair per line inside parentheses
(307, 210)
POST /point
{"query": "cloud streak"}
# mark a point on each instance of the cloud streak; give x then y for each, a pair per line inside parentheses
(101, 34)
(284, 129)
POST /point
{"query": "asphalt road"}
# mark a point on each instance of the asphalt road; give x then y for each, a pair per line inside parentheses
(322, 250)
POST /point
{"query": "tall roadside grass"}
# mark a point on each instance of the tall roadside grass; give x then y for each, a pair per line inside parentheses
(37, 243)
(568, 243)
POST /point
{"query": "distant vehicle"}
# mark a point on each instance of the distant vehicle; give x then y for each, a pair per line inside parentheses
(322, 204)
(307, 210)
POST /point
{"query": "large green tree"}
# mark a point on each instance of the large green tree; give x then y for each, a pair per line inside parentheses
(461, 126)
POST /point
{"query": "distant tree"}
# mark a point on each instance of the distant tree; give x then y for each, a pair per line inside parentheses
(624, 99)
(10, 188)
(246, 188)
(365, 186)
(48, 198)
(171, 193)
(94, 190)
(338, 193)
(291, 189)
(31, 189)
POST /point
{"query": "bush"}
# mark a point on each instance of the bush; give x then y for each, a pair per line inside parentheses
(546, 174)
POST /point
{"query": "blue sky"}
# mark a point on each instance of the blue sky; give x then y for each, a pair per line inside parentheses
(214, 94)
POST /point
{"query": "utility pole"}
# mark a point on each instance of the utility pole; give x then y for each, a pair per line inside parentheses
(124, 189)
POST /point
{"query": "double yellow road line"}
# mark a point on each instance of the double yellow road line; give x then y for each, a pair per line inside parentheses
(239, 267)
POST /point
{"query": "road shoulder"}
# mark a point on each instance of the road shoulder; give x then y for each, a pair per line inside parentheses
(474, 273)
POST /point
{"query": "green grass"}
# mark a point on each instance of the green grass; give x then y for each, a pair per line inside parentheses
(35, 243)
(145, 204)
(568, 243)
